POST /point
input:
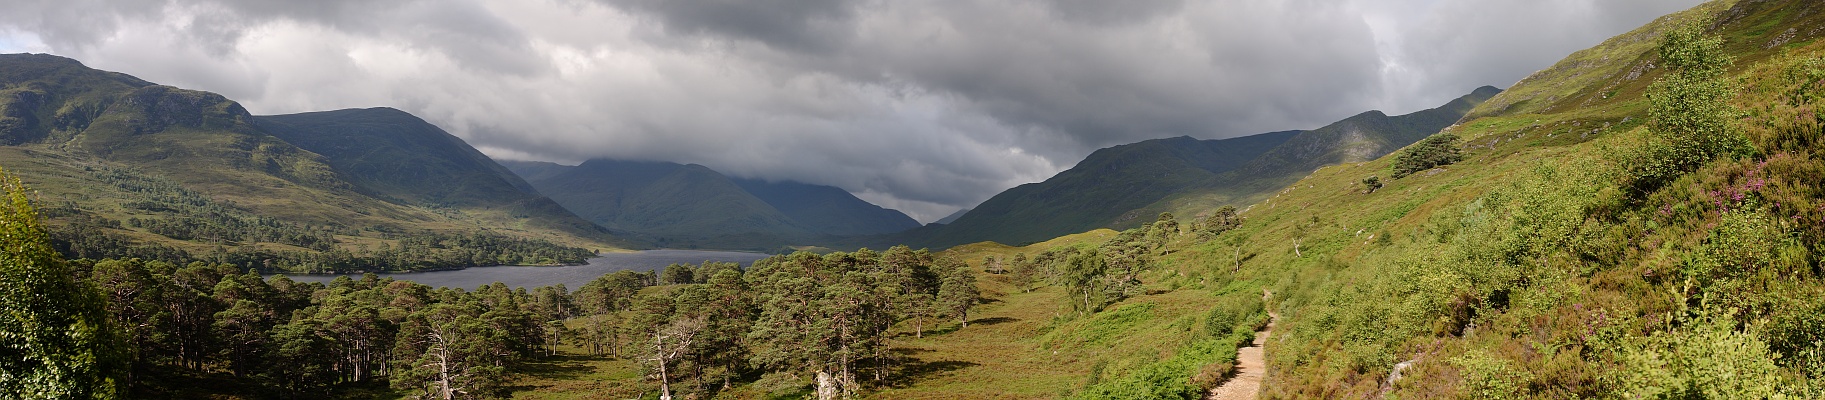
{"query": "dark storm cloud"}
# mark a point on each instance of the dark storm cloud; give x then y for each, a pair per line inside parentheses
(921, 106)
(1103, 12)
(799, 25)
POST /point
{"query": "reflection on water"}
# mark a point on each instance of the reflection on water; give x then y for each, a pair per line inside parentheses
(573, 276)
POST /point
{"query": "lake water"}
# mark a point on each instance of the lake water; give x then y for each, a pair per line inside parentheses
(572, 276)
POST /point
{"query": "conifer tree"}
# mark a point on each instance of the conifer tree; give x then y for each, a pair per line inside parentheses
(958, 291)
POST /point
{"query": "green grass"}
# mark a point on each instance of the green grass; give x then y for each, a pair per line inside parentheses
(1019, 345)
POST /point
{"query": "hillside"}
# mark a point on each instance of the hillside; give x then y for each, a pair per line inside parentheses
(1098, 190)
(1566, 255)
(678, 205)
(1363, 137)
(138, 169)
(1125, 186)
(395, 156)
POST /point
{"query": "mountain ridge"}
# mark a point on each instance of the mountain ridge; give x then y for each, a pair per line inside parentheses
(1126, 185)
(162, 170)
(691, 205)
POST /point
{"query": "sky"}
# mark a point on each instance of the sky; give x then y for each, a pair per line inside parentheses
(920, 106)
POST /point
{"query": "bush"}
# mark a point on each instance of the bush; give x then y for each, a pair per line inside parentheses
(1689, 109)
(1487, 376)
(1435, 151)
(1706, 359)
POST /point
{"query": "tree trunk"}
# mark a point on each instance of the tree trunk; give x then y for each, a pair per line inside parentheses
(919, 323)
(826, 386)
(1238, 260)
(665, 386)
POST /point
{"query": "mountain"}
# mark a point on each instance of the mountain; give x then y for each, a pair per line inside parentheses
(1106, 184)
(394, 155)
(827, 209)
(684, 205)
(1126, 185)
(1366, 136)
(159, 167)
(952, 218)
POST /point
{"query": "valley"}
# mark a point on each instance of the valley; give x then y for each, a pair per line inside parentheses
(1643, 219)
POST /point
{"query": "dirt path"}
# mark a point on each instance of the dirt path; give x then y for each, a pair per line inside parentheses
(1250, 366)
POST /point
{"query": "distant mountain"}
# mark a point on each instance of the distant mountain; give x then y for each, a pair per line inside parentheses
(395, 156)
(1125, 186)
(680, 205)
(827, 209)
(952, 218)
(143, 164)
(1100, 188)
(1362, 137)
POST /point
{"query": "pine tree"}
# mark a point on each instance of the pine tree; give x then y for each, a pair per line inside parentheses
(958, 291)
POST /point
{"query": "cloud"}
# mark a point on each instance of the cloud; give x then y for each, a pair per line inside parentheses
(921, 106)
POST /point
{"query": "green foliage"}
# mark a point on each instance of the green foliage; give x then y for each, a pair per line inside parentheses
(1235, 314)
(1745, 242)
(1103, 327)
(676, 274)
(447, 351)
(1373, 183)
(1706, 359)
(1435, 151)
(829, 316)
(1490, 377)
(1689, 109)
(1168, 378)
(957, 290)
(55, 341)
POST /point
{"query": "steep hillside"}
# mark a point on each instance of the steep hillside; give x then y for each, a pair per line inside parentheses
(827, 209)
(134, 168)
(395, 156)
(1596, 240)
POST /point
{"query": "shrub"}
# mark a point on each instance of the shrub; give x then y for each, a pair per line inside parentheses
(1438, 150)
(1689, 109)
(1706, 359)
(1490, 377)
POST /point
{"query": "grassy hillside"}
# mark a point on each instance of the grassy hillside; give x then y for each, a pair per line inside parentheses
(1363, 137)
(140, 169)
(1125, 186)
(1555, 260)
